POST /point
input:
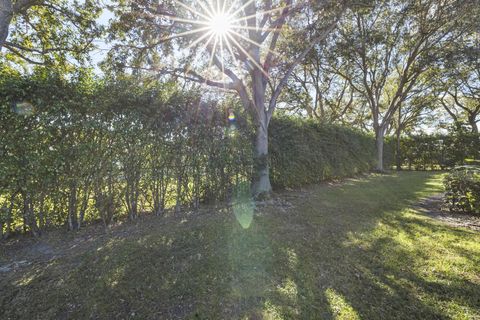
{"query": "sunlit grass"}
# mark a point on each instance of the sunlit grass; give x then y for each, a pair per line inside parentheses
(351, 251)
(340, 307)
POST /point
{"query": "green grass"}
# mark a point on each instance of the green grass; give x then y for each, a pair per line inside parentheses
(356, 250)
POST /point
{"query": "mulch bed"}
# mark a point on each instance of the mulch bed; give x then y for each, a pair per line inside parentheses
(434, 207)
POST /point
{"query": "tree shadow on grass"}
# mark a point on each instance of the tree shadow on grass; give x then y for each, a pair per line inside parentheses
(366, 269)
(204, 268)
(345, 251)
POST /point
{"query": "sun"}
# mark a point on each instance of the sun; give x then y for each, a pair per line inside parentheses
(220, 24)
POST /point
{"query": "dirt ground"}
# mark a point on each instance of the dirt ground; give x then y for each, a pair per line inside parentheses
(434, 207)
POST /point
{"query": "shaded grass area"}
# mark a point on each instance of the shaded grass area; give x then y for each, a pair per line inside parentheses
(355, 250)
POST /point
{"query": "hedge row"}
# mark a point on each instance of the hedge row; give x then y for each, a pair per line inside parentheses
(305, 152)
(425, 152)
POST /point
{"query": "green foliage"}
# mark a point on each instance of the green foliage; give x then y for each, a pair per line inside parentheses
(51, 32)
(77, 149)
(305, 152)
(462, 186)
(439, 151)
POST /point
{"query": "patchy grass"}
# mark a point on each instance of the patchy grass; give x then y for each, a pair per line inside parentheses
(355, 250)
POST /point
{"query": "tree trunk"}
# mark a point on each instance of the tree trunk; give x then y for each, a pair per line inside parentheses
(8, 218)
(379, 139)
(261, 175)
(472, 120)
(398, 156)
(261, 179)
(72, 208)
(84, 205)
(473, 124)
(28, 215)
(178, 201)
(41, 212)
(6, 14)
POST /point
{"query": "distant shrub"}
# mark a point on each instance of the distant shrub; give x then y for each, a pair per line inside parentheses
(423, 152)
(462, 187)
(306, 151)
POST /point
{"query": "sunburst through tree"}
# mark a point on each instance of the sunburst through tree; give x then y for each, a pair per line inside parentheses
(232, 45)
(220, 25)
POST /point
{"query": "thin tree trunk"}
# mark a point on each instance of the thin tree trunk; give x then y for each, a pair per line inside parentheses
(379, 145)
(83, 208)
(72, 208)
(398, 157)
(28, 215)
(9, 219)
(41, 212)
(6, 14)
(179, 193)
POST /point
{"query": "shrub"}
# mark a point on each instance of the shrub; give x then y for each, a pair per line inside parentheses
(462, 187)
(422, 152)
(306, 152)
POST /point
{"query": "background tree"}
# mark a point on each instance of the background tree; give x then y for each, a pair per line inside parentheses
(315, 91)
(242, 39)
(388, 47)
(48, 31)
(411, 115)
(458, 78)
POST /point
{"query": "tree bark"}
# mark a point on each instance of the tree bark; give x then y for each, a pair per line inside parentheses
(398, 157)
(6, 14)
(8, 216)
(473, 123)
(261, 179)
(84, 205)
(28, 215)
(379, 141)
(72, 208)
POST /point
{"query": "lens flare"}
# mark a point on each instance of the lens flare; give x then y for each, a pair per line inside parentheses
(220, 24)
(243, 204)
(231, 117)
(222, 27)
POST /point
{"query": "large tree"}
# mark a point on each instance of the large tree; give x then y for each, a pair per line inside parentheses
(318, 93)
(386, 48)
(48, 31)
(231, 45)
(458, 77)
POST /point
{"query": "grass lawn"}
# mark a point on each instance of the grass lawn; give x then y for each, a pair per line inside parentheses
(354, 250)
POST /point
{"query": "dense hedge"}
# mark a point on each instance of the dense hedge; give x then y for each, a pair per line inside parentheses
(462, 190)
(424, 152)
(77, 150)
(304, 152)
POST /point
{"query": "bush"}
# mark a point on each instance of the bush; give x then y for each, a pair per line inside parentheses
(423, 152)
(306, 152)
(462, 187)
